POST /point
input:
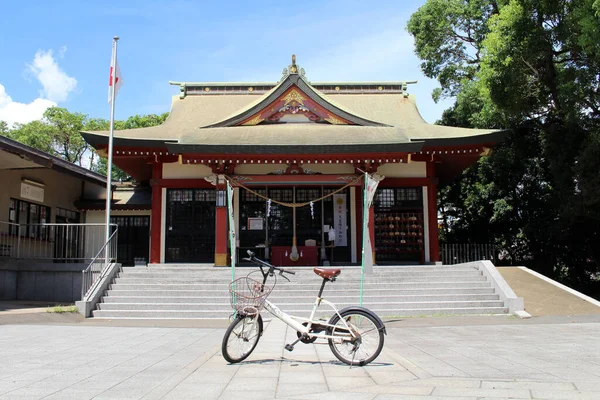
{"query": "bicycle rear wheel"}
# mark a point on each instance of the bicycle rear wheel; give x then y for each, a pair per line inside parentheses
(366, 345)
(241, 338)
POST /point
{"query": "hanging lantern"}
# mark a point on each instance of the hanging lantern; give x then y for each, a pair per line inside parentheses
(268, 207)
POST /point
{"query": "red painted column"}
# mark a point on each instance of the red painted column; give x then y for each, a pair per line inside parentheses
(221, 232)
(434, 245)
(156, 217)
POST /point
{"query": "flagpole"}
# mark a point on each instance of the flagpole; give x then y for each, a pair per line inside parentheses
(110, 144)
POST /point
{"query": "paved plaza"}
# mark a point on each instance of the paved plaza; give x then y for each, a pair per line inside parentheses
(425, 358)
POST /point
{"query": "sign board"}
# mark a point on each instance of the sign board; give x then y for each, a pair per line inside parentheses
(32, 192)
(339, 219)
(255, 224)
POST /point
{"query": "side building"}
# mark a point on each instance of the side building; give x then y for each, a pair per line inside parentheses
(49, 229)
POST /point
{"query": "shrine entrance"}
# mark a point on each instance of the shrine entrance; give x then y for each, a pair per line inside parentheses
(267, 228)
(190, 226)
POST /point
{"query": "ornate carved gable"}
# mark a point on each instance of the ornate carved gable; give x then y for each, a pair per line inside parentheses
(294, 100)
(294, 106)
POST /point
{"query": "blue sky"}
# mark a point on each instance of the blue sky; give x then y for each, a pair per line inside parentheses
(58, 52)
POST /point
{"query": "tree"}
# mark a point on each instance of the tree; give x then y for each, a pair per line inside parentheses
(36, 134)
(58, 133)
(535, 70)
(137, 121)
(141, 121)
(101, 166)
(65, 127)
(448, 36)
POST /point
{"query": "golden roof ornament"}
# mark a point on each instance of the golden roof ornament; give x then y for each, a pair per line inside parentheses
(293, 69)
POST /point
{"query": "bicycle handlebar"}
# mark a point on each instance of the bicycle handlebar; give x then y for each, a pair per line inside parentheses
(262, 263)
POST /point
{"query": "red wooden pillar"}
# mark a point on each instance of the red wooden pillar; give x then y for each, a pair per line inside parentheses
(434, 246)
(156, 218)
(221, 227)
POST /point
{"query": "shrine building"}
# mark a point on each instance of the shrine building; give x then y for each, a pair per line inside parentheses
(294, 141)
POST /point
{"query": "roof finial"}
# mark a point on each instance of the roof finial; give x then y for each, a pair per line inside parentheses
(293, 69)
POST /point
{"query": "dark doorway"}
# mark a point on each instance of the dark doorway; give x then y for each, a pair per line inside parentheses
(68, 239)
(278, 229)
(190, 225)
(133, 239)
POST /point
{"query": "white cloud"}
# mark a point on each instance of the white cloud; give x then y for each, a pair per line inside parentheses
(14, 112)
(56, 83)
(56, 86)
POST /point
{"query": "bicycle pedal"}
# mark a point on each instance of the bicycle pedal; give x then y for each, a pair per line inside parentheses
(289, 347)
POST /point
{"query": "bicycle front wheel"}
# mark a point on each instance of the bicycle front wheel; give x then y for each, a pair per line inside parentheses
(359, 340)
(241, 338)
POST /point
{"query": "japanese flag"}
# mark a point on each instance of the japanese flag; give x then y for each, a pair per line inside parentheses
(118, 77)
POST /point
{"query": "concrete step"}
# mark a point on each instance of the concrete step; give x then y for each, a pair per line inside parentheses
(126, 279)
(346, 271)
(150, 272)
(304, 293)
(280, 298)
(299, 306)
(396, 286)
(172, 314)
(202, 291)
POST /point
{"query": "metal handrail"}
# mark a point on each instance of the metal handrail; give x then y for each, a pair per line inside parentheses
(8, 239)
(58, 242)
(456, 253)
(92, 276)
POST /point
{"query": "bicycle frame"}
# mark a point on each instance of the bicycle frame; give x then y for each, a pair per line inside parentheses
(291, 321)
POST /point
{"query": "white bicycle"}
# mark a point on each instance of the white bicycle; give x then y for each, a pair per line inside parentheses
(355, 334)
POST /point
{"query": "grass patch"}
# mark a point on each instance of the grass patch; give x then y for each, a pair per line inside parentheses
(62, 309)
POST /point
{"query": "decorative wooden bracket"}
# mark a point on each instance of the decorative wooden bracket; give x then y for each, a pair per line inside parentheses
(223, 168)
(368, 166)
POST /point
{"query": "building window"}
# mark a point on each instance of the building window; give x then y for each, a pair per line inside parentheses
(30, 216)
(67, 215)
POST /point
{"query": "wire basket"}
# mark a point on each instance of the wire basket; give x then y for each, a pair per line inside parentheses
(248, 295)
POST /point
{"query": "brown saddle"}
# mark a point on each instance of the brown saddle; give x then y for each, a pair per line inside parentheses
(328, 273)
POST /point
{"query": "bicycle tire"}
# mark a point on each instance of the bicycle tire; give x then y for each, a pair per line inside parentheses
(245, 334)
(347, 351)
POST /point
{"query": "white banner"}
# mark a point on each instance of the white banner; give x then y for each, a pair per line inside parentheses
(232, 235)
(370, 188)
(339, 219)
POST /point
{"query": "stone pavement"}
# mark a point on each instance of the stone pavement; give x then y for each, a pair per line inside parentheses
(500, 358)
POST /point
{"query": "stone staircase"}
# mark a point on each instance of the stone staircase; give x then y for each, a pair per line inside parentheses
(175, 292)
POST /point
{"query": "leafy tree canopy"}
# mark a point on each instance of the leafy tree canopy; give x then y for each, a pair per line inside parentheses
(58, 133)
(532, 66)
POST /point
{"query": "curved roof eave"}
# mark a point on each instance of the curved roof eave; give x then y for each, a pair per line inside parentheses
(96, 139)
(491, 137)
(408, 147)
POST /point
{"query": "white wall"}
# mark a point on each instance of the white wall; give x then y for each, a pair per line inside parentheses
(261, 169)
(403, 170)
(185, 171)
